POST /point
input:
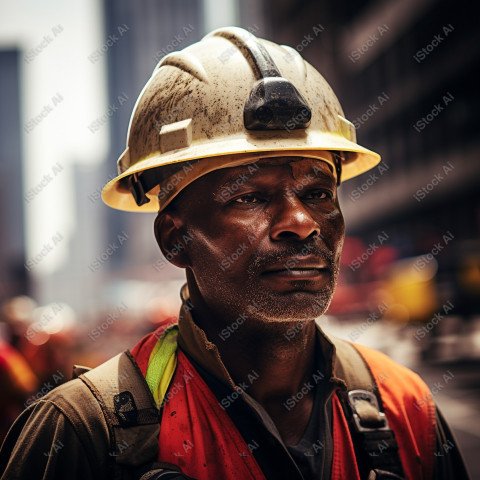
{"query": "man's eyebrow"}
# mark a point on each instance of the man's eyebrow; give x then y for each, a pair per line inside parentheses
(239, 178)
(318, 175)
(234, 177)
(325, 176)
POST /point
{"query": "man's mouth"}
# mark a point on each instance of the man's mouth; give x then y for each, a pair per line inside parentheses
(298, 268)
(298, 272)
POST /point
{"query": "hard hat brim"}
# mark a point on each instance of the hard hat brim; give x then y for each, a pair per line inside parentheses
(267, 143)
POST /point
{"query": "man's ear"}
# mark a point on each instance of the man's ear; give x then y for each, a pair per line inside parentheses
(168, 232)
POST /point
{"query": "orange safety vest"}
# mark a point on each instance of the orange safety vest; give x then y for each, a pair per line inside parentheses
(198, 435)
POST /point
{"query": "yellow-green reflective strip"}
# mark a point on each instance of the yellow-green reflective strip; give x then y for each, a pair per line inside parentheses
(161, 364)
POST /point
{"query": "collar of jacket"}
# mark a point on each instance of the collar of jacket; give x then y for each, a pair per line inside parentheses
(194, 341)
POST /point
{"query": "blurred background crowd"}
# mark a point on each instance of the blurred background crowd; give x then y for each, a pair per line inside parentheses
(79, 282)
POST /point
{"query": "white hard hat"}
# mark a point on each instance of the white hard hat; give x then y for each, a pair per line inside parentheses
(227, 100)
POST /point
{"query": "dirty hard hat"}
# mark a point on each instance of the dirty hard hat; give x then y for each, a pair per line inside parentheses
(229, 100)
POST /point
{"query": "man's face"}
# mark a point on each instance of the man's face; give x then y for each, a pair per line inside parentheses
(266, 238)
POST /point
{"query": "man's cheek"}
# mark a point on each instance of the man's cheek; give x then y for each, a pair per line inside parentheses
(338, 233)
(205, 255)
(333, 233)
(215, 259)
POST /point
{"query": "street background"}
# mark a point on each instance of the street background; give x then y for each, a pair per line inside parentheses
(79, 281)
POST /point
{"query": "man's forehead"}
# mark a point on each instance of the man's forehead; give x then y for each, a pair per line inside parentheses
(300, 166)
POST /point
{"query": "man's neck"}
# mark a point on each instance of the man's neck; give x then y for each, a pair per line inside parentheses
(274, 360)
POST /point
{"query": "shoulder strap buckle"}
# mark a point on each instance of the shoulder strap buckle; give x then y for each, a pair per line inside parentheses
(376, 448)
(366, 411)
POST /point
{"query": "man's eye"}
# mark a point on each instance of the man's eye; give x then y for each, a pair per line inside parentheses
(319, 195)
(248, 198)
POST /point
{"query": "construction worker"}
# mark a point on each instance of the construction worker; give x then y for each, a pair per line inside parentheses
(240, 146)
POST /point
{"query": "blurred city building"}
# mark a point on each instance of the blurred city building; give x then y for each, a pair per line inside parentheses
(76, 281)
(13, 274)
(151, 30)
(112, 248)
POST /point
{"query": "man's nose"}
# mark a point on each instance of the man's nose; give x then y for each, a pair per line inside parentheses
(292, 220)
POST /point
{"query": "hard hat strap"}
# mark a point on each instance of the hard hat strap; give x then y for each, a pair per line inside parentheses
(338, 157)
(140, 184)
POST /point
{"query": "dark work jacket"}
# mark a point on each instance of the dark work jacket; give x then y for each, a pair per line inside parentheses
(45, 441)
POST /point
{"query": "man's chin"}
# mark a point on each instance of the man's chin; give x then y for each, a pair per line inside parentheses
(295, 305)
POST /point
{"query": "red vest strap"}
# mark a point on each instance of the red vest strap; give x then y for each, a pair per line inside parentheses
(410, 410)
(343, 464)
(198, 435)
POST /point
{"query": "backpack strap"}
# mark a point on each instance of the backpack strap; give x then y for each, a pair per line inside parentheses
(129, 408)
(375, 444)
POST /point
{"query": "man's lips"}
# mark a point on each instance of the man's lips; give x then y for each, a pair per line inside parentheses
(298, 272)
(296, 268)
